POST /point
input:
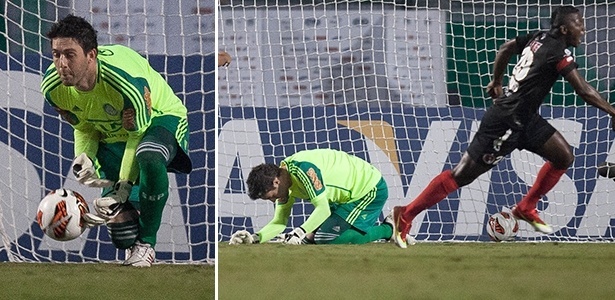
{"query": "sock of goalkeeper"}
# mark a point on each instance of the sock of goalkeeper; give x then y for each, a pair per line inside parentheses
(153, 183)
(353, 236)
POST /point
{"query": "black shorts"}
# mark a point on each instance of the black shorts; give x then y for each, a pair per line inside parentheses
(499, 134)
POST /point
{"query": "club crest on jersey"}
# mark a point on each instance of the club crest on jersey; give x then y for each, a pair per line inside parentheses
(110, 110)
(314, 178)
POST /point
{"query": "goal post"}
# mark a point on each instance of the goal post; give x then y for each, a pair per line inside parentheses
(402, 85)
(177, 37)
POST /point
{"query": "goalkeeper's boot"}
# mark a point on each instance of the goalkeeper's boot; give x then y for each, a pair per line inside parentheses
(390, 221)
(141, 255)
(531, 216)
(400, 228)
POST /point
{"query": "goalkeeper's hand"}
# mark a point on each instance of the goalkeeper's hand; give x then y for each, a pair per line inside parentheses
(108, 207)
(244, 237)
(91, 220)
(295, 237)
(84, 171)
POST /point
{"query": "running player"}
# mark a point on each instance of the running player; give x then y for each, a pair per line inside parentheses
(513, 122)
(129, 129)
(347, 192)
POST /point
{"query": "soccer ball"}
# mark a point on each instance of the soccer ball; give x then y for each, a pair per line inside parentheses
(502, 226)
(60, 214)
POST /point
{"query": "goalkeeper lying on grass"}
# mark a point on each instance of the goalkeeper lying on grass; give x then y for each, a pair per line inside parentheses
(347, 192)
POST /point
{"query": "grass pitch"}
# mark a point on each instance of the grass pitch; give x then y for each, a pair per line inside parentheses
(424, 271)
(105, 281)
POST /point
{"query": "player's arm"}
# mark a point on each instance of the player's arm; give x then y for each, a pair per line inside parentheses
(506, 51)
(588, 93)
(86, 140)
(135, 120)
(318, 216)
(136, 117)
(320, 213)
(282, 212)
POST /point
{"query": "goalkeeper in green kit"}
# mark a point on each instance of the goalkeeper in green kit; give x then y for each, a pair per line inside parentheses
(347, 192)
(130, 129)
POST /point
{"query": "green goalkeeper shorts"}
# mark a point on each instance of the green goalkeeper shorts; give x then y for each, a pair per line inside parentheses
(361, 214)
(164, 130)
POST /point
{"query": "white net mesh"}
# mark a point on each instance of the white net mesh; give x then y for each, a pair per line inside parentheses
(401, 84)
(178, 38)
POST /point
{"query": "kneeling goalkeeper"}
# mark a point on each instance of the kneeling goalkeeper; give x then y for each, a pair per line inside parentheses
(347, 192)
(129, 129)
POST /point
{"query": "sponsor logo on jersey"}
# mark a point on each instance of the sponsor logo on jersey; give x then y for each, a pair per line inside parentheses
(314, 178)
(534, 45)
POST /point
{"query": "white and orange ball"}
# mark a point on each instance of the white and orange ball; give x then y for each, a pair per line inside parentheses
(60, 214)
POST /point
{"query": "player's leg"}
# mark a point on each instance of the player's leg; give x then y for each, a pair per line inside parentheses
(154, 153)
(559, 157)
(123, 229)
(440, 186)
(353, 223)
(492, 142)
(156, 149)
(558, 154)
(160, 151)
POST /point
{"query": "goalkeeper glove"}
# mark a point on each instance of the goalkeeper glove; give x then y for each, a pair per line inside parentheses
(91, 220)
(108, 207)
(244, 237)
(84, 171)
(295, 237)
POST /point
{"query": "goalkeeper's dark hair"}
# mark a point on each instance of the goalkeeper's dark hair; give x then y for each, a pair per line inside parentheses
(76, 28)
(559, 16)
(260, 180)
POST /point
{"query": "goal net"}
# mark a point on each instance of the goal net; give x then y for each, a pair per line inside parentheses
(178, 39)
(402, 85)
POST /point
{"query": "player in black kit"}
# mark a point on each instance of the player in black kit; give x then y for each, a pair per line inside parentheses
(513, 122)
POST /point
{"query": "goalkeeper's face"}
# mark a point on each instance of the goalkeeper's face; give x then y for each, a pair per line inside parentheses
(279, 191)
(73, 64)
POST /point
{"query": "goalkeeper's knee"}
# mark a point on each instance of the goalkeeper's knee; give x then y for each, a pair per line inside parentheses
(124, 228)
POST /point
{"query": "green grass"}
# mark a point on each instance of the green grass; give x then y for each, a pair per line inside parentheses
(105, 281)
(423, 271)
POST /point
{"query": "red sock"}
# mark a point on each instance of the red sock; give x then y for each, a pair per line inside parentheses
(548, 176)
(438, 189)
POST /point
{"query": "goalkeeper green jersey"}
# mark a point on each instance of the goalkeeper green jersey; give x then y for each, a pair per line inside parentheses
(323, 177)
(127, 95)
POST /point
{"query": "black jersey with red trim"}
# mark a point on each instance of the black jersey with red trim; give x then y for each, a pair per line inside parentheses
(543, 59)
